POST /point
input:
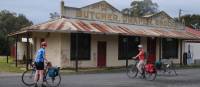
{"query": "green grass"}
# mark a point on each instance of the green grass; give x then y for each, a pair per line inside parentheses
(8, 67)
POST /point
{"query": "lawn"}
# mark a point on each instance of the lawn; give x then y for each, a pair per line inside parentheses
(8, 67)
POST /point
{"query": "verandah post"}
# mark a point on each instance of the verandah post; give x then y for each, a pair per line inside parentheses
(27, 49)
(16, 57)
(125, 50)
(7, 54)
(76, 60)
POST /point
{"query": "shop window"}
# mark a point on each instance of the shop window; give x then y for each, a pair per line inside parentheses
(127, 47)
(83, 46)
(169, 48)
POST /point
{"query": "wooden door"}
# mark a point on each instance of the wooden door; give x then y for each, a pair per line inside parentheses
(101, 58)
(151, 49)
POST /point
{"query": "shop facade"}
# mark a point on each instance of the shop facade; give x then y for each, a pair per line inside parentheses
(99, 35)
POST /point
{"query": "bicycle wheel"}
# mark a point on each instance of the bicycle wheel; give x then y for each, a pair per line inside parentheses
(166, 70)
(53, 81)
(171, 71)
(150, 76)
(28, 77)
(132, 71)
(175, 73)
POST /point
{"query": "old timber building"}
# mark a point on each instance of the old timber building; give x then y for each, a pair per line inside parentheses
(99, 35)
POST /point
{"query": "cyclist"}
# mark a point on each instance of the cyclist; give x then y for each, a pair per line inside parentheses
(39, 63)
(140, 56)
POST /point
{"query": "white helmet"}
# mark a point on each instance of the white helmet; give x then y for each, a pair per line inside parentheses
(140, 46)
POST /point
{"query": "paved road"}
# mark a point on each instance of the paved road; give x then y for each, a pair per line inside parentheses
(186, 78)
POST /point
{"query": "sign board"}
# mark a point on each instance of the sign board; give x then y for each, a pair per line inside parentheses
(103, 11)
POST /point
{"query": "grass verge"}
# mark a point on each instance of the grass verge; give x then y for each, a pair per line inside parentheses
(10, 66)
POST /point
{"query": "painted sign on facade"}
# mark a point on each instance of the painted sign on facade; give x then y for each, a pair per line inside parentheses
(100, 11)
(103, 11)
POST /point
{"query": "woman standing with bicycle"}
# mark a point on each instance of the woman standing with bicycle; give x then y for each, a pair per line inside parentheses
(140, 56)
(39, 63)
(147, 71)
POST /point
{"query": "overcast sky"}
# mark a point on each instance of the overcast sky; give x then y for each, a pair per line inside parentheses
(38, 10)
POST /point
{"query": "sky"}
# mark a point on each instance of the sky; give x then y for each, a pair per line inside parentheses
(38, 10)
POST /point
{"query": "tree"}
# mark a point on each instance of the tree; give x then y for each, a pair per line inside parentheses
(10, 22)
(141, 8)
(192, 21)
(54, 15)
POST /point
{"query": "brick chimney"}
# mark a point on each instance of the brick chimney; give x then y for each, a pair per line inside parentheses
(62, 5)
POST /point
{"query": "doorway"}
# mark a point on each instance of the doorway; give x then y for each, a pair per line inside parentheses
(101, 54)
(151, 49)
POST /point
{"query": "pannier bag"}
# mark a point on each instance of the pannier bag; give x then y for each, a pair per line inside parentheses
(158, 65)
(150, 68)
(53, 72)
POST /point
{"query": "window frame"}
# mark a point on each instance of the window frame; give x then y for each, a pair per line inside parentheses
(84, 53)
(168, 51)
(125, 46)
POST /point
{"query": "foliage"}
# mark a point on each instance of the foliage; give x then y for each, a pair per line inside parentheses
(141, 8)
(192, 21)
(54, 15)
(10, 22)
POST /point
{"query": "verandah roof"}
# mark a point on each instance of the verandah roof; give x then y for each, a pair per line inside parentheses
(95, 27)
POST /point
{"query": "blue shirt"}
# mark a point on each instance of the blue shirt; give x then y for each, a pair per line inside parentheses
(40, 55)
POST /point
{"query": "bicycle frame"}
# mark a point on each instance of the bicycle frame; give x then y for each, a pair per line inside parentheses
(134, 66)
(27, 77)
(167, 67)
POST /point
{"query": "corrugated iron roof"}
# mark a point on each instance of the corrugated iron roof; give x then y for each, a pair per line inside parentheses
(193, 31)
(77, 25)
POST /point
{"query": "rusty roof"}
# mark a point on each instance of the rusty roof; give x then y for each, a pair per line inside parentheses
(193, 31)
(94, 27)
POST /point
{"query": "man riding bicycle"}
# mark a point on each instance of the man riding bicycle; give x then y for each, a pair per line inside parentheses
(140, 56)
(39, 63)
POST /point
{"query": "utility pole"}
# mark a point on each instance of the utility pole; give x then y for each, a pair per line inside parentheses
(179, 16)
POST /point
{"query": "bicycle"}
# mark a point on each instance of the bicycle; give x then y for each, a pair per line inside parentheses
(132, 72)
(166, 68)
(50, 79)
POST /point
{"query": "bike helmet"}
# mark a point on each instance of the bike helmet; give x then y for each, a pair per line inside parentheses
(140, 46)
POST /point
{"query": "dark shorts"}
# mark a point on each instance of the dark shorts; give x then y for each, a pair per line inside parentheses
(39, 65)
